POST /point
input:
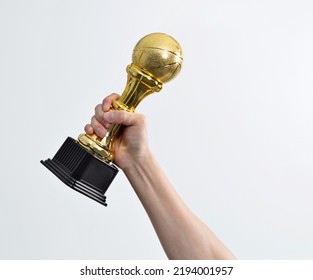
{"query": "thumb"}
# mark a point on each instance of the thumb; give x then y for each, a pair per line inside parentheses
(123, 117)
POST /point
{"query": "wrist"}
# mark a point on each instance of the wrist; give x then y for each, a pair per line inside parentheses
(135, 164)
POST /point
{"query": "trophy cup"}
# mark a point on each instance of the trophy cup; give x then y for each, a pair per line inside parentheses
(86, 165)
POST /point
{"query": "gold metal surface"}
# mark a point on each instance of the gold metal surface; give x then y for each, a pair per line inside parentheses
(157, 58)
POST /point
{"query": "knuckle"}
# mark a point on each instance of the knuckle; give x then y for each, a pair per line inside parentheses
(141, 119)
(120, 114)
(105, 99)
(108, 98)
(93, 120)
(87, 127)
(124, 116)
(97, 108)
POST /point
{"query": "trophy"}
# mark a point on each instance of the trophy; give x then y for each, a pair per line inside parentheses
(86, 164)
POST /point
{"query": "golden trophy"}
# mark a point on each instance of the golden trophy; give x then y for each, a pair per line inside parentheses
(86, 165)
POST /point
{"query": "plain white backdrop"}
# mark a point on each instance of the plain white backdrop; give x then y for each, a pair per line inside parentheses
(233, 132)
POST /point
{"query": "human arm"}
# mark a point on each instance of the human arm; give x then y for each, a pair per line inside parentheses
(181, 233)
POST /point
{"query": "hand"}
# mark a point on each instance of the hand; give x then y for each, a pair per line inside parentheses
(132, 145)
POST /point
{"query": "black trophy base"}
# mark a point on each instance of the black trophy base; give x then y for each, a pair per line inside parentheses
(81, 170)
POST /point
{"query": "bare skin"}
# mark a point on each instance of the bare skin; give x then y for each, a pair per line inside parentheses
(181, 233)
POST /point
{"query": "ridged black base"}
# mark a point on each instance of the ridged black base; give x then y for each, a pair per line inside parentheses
(82, 171)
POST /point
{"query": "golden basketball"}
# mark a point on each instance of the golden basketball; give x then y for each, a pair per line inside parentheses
(160, 55)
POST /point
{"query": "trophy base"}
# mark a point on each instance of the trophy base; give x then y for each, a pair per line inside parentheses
(81, 170)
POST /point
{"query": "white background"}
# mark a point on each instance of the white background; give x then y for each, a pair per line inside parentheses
(233, 132)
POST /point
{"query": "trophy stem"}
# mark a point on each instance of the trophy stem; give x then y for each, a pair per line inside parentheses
(140, 84)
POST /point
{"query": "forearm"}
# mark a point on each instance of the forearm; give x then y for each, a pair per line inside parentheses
(181, 233)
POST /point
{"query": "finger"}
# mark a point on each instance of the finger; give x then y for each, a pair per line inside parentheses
(124, 118)
(99, 115)
(107, 102)
(88, 129)
(98, 128)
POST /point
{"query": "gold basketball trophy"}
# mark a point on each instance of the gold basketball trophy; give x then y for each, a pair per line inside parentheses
(86, 165)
